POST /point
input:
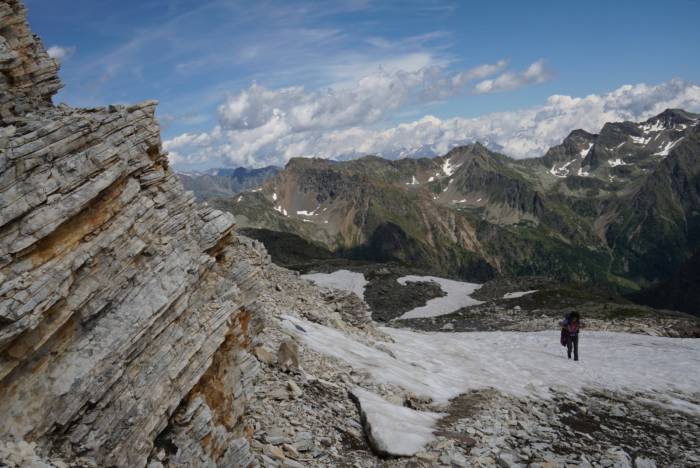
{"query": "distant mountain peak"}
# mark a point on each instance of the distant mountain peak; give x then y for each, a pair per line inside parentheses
(671, 117)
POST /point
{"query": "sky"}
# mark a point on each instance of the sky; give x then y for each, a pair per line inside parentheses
(251, 84)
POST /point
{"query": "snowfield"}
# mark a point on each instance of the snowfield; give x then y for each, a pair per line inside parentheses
(444, 365)
(396, 430)
(517, 294)
(342, 279)
(458, 296)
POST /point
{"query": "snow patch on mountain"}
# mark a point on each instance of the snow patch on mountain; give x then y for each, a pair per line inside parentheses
(562, 171)
(444, 365)
(640, 140)
(668, 147)
(458, 296)
(448, 168)
(517, 294)
(395, 429)
(616, 162)
(651, 127)
(585, 151)
(341, 279)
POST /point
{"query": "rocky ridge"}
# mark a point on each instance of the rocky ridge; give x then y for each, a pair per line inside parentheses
(127, 311)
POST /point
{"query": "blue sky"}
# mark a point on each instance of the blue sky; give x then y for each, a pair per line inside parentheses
(220, 69)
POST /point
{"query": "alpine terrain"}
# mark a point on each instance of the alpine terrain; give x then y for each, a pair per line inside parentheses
(419, 323)
(619, 209)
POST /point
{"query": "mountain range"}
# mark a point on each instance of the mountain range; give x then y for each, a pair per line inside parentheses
(620, 208)
(224, 182)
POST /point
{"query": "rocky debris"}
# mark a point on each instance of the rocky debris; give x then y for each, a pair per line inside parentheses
(352, 309)
(21, 454)
(322, 427)
(264, 355)
(288, 355)
(127, 311)
(509, 315)
(569, 430)
(388, 299)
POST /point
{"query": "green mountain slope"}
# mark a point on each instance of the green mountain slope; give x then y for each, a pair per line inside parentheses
(620, 208)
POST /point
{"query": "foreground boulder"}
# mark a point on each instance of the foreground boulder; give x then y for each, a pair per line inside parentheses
(126, 310)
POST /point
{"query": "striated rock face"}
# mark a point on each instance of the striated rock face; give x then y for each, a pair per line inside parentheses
(126, 309)
(28, 76)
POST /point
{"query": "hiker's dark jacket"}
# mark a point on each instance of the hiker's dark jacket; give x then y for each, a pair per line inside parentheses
(571, 326)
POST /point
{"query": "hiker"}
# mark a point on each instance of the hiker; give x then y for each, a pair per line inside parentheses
(570, 328)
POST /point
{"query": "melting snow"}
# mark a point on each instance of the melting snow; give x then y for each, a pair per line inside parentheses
(444, 365)
(582, 173)
(308, 213)
(431, 179)
(240, 197)
(342, 279)
(281, 210)
(413, 181)
(515, 295)
(448, 168)
(654, 127)
(616, 162)
(562, 171)
(257, 189)
(585, 151)
(460, 201)
(640, 140)
(667, 148)
(457, 297)
(396, 429)
(274, 197)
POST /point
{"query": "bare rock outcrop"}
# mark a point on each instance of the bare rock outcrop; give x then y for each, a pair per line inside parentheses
(127, 311)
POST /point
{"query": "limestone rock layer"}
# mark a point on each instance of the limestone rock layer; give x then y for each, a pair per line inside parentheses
(126, 309)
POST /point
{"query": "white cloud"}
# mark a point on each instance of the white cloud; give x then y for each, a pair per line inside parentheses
(367, 102)
(260, 126)
(255, 121)
(534, 74)
(60, 53)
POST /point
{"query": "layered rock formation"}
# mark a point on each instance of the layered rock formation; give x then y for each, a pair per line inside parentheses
(126, 309)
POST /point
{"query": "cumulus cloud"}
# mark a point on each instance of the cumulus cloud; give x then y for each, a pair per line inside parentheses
(259, 126)
(364, 102)
(60, 53)
(534, 74)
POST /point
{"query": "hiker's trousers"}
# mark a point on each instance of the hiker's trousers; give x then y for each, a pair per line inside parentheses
(572, 342)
